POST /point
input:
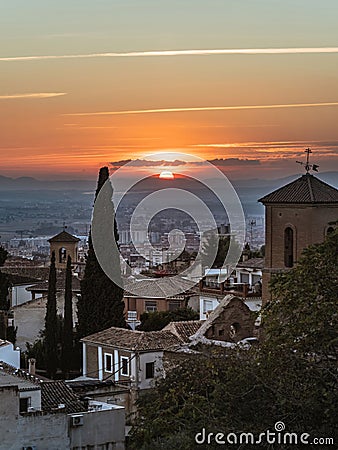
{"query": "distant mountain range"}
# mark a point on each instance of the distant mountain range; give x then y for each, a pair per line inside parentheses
(29, 183)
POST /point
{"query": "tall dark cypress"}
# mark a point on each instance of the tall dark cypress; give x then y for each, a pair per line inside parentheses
(4, 284)
(50, 341)
(67, 332)
(101, 304)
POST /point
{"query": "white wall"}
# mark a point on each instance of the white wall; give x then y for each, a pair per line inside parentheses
(34, 395)
(157, 357)
(9, 355)
(19, 295)
(207, 303)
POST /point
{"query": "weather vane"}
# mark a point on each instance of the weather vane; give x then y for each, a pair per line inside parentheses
(307, 164)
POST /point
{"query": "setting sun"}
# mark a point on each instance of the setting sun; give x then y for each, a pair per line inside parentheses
(167, 175)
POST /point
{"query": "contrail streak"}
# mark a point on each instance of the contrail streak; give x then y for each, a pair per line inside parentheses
(202, 108)
(188, 52)
(34, 95)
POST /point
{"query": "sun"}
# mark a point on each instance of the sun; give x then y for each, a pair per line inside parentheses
(166, 175)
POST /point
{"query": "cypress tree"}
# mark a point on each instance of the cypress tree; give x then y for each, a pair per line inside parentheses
(67, 331)
(50, 341)
(101, 304)
(4, 298)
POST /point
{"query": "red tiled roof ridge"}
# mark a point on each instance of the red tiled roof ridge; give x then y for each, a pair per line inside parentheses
(305, 189)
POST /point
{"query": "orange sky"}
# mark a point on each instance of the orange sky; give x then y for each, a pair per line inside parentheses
(60, 117)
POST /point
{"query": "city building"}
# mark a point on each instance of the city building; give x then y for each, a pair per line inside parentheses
(297, 215)
(39, 414)
(148, 295)
(64, 244)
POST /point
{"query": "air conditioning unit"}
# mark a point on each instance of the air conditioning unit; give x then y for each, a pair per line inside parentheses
(29, 447)
(77, 420)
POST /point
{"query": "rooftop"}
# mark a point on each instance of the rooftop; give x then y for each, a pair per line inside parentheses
(253, 263)
(134, 340)
(55, 393)
(4, 343)
(157, 287)
(10, 376)
(60, 285)
(306, 189)
(64, 237)
(183, 330)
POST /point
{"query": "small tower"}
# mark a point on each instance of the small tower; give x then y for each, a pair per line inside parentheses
(297, 215)
(64, 244)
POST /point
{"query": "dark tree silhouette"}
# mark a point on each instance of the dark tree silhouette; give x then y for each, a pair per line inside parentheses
(101, 304)
(50, 341)
(4, 298)
(67, 332)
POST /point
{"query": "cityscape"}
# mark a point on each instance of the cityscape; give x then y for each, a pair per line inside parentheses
(168, 225)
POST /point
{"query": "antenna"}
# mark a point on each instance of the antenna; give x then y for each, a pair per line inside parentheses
(252, 224)
(307, 164)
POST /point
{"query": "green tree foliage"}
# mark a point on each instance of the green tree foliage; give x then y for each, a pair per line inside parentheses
(37, 349)
(4, 300)
(101, 304)
(153, 321)
(212, 246)
(303, 314)
(3, 255)
(290, 377)
(4, 287)
(50, 340)
(67, 332)
(4, 282)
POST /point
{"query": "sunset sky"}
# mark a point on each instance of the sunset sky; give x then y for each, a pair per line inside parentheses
(84, 83)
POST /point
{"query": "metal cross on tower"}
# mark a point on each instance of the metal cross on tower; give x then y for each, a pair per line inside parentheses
(307, 164)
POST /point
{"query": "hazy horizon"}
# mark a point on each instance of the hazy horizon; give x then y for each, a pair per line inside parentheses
(107, 81)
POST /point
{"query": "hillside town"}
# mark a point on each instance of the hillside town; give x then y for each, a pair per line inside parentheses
(78, 354)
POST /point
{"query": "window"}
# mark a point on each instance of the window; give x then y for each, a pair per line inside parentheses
(174, 305)
(150, 370)
(207, 306)
(220, 332)
(62, 255)
(288, 247)
(124, 366)
(150, 305)
(25, 403)
(330, 230)
(234, 329)
(108, 362)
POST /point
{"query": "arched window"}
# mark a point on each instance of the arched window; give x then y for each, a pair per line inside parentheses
(288, 247)
(330, 230)
(234, 329)
(62, 255)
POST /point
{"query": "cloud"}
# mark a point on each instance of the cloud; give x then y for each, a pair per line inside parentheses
(267, 146)
(187, 52)
(234, 162)
(34, 95)
(155, 163)
(202, 108)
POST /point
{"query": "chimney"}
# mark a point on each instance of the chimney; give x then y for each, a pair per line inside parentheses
(31, 366)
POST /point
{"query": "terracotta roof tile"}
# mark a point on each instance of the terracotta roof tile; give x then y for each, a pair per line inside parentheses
(306, 189)
(158, 287)
(183, 330)
(253, 263)
(134, 340)
(55, 393)
(64, 237)
(60, 285)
